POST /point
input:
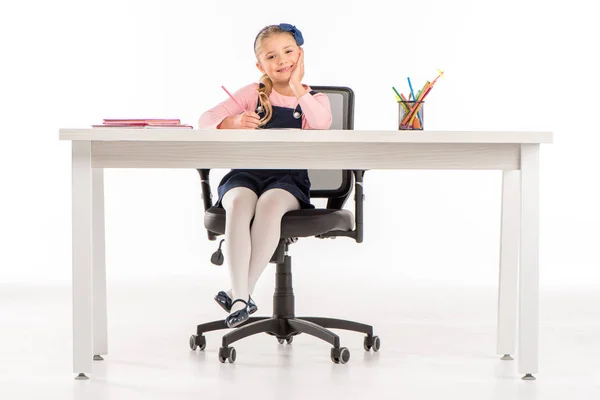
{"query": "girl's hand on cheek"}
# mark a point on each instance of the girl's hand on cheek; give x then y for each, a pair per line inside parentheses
(298, 72)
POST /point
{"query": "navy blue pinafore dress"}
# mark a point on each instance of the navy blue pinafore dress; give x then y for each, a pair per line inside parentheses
(295, 181)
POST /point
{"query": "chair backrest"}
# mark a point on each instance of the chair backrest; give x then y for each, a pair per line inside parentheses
(335, 183)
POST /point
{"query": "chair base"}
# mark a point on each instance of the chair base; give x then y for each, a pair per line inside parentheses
(284, 325)
(285, 328)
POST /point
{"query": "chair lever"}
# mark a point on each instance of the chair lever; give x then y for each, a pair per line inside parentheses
(217, 257)
(334, 234)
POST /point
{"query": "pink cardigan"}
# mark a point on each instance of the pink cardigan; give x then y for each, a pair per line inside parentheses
(316, 110)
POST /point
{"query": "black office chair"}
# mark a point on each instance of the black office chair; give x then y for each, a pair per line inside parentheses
(336, 186)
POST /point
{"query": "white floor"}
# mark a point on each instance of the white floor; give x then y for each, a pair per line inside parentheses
(436, 343)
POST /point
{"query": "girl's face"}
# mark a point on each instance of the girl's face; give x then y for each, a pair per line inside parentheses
(276, 57)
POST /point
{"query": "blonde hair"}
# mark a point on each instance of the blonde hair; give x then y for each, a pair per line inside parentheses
(265, 91)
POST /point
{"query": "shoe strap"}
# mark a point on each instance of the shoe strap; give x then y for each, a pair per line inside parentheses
(240, 301)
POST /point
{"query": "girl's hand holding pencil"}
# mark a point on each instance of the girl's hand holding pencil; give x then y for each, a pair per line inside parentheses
(246, 120)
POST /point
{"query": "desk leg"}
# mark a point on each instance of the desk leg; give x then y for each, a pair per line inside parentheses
(529, 263)
(509, 263)
(99, 265)
(82, 257)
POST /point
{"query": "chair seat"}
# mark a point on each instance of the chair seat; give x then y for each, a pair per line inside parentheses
(297, 223)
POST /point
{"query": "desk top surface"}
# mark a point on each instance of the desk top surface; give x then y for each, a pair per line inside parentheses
(302, 136)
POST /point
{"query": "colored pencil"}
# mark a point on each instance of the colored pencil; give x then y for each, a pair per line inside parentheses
(233, 98)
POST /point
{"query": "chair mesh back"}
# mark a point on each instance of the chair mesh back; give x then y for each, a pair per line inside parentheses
(325, 180)
(334, 183)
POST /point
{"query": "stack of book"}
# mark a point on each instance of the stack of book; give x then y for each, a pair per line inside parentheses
(142, 123)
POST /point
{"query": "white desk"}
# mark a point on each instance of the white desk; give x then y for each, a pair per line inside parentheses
(515, 153)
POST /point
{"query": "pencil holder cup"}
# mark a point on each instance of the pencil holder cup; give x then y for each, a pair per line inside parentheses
(410, 115)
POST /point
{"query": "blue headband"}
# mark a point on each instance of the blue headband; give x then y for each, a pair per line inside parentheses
(295, 31)
(287, 28)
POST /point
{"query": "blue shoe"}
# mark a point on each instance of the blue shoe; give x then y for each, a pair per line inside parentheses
(239, 316)
(225, 302)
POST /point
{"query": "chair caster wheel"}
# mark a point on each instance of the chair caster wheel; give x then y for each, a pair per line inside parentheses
(197, 341)
(372, 342)
(227, 353)
(340, 355)
(288, 340)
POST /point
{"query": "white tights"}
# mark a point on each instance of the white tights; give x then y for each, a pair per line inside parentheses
(249, 250)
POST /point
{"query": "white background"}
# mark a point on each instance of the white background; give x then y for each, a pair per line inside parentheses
(510, 65)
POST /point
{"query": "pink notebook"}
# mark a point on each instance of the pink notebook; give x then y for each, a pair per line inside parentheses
(148, 121)
(142, 123)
